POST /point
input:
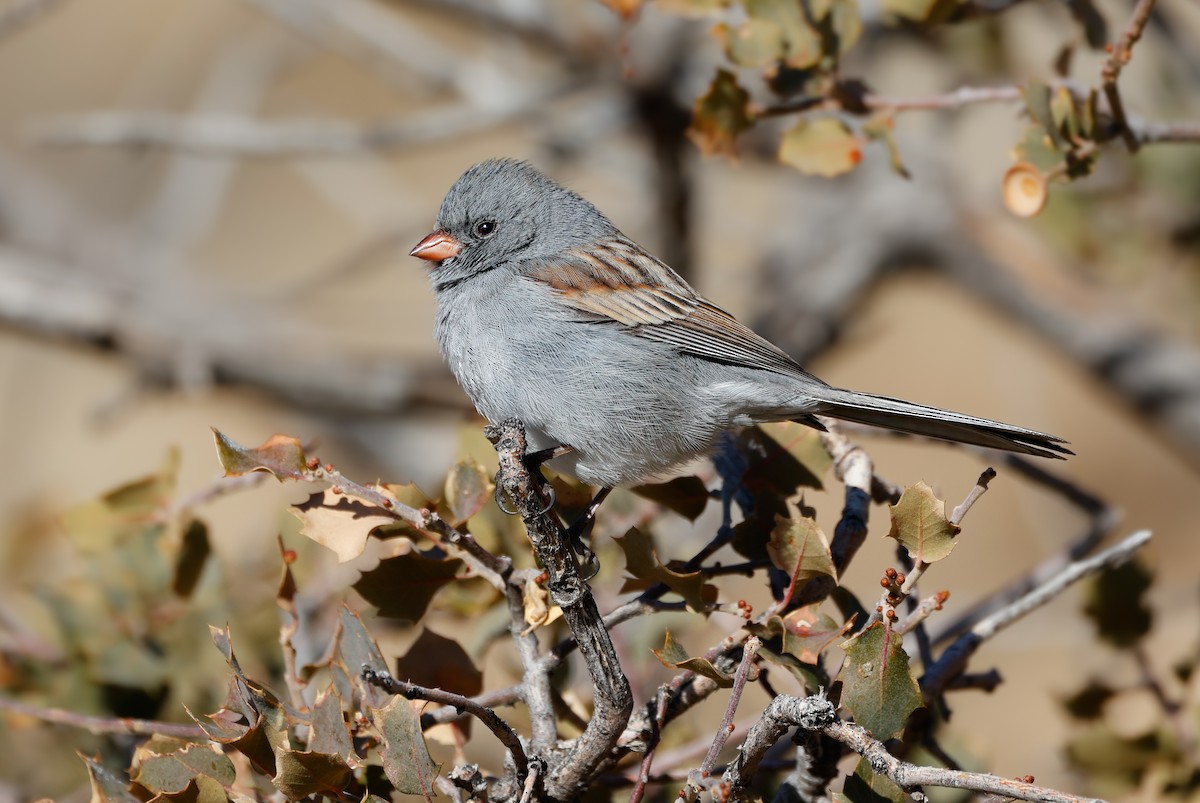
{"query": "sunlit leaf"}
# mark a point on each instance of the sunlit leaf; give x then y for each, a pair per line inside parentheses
(171, 773)
(468, 488)
(822, 147)
(720, 115)
(641, 561)
(755, 43)
(402, 587)
(281, 455)
(339, 522)
(877, 686)
(919, 523)
(798, 547)
(673, 656)
(330, 735)
(802, 45)
(356, 649)
(300, 774)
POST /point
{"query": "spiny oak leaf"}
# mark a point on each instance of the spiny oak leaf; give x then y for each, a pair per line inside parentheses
(281, 455)
(641, 561)
(329, 734)
(172, 772)
(799, 548)
(468, 488)
(673, 656)
(339, 522)
(405, 757)
(107, 786)
(402, 587)
(301, 773)
(919, 523)
(878, 688)
(438, 662)
(356, 649)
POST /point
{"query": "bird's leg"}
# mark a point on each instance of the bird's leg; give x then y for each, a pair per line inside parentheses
(581, 528)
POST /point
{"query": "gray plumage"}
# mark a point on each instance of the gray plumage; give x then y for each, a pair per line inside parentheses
(548, 314)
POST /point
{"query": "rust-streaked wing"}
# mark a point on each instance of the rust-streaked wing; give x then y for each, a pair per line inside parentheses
(617, 282)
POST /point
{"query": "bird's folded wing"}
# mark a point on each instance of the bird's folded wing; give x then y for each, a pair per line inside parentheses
(617, 283)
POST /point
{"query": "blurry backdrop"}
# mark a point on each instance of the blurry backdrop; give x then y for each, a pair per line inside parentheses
(206, 206)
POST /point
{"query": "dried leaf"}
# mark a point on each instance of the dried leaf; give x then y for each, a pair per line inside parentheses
(804, 632)
(405, 757)
(281, 455)
(641, 561)
(339, 522)
(919, 523)
(877, 686)
(303, 773)
(687, 496)
(356, 649)
(755, 43)
(1037, 102)
(538, 610)
(720, 115)
(798, 546)
(402, 587)
(468, 488)
(107, 786)
(823, 147)
(673, 656)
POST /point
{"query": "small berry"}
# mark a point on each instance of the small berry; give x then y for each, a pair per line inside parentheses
(336, 490)
(891, 573)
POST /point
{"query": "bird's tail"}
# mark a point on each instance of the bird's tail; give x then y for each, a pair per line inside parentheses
(917, 419)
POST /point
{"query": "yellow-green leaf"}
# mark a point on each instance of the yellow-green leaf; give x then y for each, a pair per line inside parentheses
(720, 115)
(468, 488)
(919, 523)
(878, 688)
(672, 655)
(281, 455)
(798, 547)
(823, 147)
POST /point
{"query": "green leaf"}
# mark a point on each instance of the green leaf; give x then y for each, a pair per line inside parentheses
(329, 732)
(402, 587)
(755, 43)
(804, 444)
(673, 656)
(880, 129)
(405, 757)
(867, 786)
(468, 488)
(641, 561)
(919, 523)
(107, 786)
(720, 115)
(823, 147)
(1116, 604)
(355, 649)
(300, 774)
(877, 686)
(171, 773)
(1037, 102)
(687, 496)
(799, 548)
(804, 632)
(281, 455)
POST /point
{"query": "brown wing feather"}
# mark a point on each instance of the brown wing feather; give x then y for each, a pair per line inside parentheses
(616, 282)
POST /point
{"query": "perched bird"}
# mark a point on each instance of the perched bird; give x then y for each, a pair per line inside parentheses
(548, 314)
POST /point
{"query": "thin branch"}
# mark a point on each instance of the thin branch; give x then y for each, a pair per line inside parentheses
(817, 714)
(954, 658)
(1119, 55)
(749, 650)
(95, 724)
(535, 687)
(503, 731)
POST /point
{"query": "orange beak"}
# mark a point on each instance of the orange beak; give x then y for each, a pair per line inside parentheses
(436, 246)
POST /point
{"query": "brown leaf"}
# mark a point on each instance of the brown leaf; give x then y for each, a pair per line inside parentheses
(798, 546)
(281, 455)
(919, 523)
(641, 561)
(193, 556)
(402, 587)
(339, 522)
(468, 488)
(720, 115)
(673, 656)
(822, 147)
(437, 662)
(687, 496)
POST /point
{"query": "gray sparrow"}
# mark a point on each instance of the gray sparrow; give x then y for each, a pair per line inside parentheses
(548, 314)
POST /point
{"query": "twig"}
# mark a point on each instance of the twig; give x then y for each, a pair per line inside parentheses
(535, 687)
(954, 658)
(816, 714)
(652, 742)
(503, 731)
(749, 650)
(1119, 55)
(920, 613)
(613, 701)
(95, 724)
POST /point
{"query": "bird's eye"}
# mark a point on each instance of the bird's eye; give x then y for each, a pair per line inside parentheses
(485, 228)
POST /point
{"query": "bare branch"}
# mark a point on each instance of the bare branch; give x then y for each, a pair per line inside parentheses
(503, 731)
(1119, 55)
(94, 724)
(749, 650)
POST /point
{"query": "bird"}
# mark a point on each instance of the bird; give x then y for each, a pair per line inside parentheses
(548, 314)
